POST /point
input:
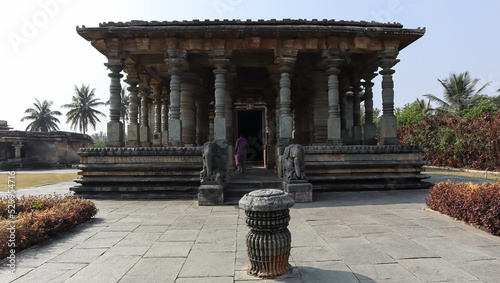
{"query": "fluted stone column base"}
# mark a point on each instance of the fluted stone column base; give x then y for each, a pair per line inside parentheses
(115, 134)
(269, 240)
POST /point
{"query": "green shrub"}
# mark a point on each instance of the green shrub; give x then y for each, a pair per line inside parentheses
(38, 218)
(475, 204)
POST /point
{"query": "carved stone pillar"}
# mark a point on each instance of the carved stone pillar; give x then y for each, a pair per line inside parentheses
(229, 117)
(133, 126)
(157, 114)
(369, 128)
(188, 110)
(202, 122)
(271, 136)
(347, 117)
(164, 117)
(144, 136)
(220, 93)
(388, 122)
(211, 117)
(17, 149)
(175, 58)
(115, 126)
(333, 60)
(357, 131)
(285, 58)
(320, 109)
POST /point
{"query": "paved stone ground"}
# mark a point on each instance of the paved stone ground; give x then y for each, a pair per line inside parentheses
(377, 236)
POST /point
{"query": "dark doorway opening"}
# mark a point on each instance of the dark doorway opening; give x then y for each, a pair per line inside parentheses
(250, 127)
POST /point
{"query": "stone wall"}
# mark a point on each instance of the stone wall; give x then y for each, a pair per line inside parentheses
(364, 167)
(145, 172)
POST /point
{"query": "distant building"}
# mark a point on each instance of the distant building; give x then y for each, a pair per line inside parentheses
(37, 150)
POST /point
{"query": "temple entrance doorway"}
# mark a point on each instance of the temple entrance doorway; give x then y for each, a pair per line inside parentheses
(250, 126)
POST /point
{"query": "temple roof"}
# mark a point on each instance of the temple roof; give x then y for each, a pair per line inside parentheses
(290, 28)
(324, 22)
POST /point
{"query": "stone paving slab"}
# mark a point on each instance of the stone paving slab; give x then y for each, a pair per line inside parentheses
(341, 237)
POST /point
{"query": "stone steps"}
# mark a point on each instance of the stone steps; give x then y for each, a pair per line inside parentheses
(255, 178)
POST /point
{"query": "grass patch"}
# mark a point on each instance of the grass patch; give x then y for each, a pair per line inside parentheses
(492, 177)
(32, 180)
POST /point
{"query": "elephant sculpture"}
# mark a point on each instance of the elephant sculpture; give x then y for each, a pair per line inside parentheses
(293, 164)
(211, 163)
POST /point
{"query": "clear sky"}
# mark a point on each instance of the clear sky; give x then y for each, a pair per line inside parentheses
(43, 57)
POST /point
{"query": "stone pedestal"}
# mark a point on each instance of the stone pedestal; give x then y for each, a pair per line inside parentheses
(164, 138)
(219, 128)
(388, 130)
(157, 139)
(286, 127)
(210, 195)
(115, 134)
(144, 136)
(334, 134)
(370, 133)
(269, 240)
(175, 132)
(300, 190)
(132, 135)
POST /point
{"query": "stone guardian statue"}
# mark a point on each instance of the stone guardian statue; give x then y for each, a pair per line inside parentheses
(293, 163)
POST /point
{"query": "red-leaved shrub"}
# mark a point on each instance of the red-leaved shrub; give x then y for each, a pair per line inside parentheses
(457, 142)
(37, 218)
(475, 204)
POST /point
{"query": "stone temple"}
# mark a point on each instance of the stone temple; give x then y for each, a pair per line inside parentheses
(279, 83)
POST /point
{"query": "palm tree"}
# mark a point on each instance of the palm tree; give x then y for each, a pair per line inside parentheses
(426, 108)
(459, 93)
(43, 118)
(82, 109)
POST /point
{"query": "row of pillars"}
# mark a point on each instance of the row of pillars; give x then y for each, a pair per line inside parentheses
(168, 128)
(179, 120)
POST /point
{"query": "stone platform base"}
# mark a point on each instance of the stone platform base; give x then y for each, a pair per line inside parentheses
(300, 190)
(362, 167)
(210, 195)
(155, 172)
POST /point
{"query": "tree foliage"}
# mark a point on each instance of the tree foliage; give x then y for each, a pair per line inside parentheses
(459, 94)
(43, 119)
(484, 105)
(99, 140)
(82, 109)
(413, 112)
